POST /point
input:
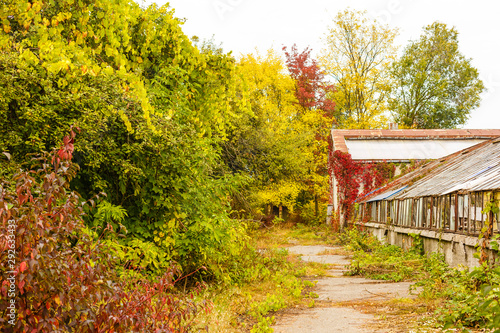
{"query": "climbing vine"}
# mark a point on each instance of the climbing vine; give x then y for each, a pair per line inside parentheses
(376, 174)
(347, 173)
(354, 177)
(490, 210)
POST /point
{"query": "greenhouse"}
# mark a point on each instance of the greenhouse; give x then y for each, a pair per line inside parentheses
(458, 193)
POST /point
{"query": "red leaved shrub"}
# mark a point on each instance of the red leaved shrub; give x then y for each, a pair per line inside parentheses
(57, 278)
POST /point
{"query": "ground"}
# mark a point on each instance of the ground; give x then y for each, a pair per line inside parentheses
(327, 299)
(344, 304)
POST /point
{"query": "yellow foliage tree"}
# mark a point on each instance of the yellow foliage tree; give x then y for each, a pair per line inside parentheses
(274, 144)
(358, 54)
(277, 144)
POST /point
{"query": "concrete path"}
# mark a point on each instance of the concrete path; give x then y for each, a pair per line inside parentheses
(331, 317)
(324, 320)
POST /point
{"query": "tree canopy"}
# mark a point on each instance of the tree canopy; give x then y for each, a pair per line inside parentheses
(435, 85)
(279, 145)
(358, 54)
(313, 92)
(271, 140)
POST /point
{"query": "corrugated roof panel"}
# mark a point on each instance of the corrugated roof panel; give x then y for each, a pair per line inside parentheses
(479, 170)
(386, 195)
(404, 150)
(491, 182)
(479, 183)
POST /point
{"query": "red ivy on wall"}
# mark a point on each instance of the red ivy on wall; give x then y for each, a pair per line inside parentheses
(353, 176)
(347, 173)
(376, 174)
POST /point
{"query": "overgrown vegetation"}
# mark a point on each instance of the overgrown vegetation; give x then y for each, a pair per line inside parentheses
(175, 150)
(382, 262)
(272, 279)
(458, 297)
(173, 134)
(62, 276)
(73, 278)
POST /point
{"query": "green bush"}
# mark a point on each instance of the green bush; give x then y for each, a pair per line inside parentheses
(470, 296)
(308, 213)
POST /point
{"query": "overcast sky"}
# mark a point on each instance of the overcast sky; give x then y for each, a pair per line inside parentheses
(242, 26)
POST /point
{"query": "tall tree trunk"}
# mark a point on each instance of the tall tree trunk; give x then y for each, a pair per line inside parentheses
(316, 208)
(281, 212)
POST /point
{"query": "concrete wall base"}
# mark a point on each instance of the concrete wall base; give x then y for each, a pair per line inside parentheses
(457, 249)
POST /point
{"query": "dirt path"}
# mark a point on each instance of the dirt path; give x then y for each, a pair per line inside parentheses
(337, 307)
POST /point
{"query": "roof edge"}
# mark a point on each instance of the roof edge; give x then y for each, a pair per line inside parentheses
(339, 135)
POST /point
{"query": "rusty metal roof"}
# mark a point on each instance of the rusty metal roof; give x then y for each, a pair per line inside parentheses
(345, 141)
(473, 169)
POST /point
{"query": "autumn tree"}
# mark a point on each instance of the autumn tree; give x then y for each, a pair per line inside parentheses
(358, 54)
(311, 87)
(313, 94)
(436, 86)
(269, 145)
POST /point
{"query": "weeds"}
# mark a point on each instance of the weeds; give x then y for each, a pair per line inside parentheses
(460, 297)
(373, 259)
(270, 279)
(469, 297)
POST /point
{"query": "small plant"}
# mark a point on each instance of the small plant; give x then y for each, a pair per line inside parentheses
(278, 220)
(312, 295)
(271, 303)
(417, 245)
(309, 284)
(263, 326)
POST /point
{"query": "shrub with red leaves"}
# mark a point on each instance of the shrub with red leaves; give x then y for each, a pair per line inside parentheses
(57, 278)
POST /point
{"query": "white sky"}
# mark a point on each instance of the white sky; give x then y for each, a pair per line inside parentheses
(242, 26)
